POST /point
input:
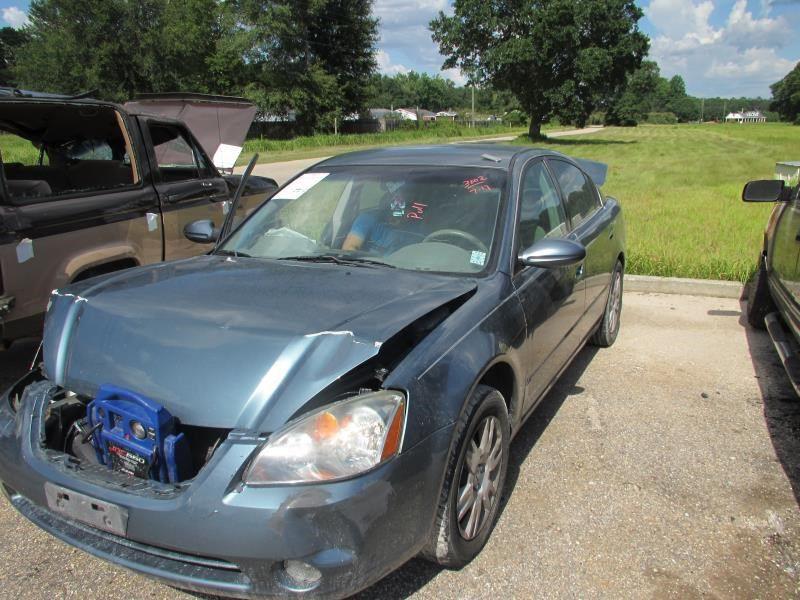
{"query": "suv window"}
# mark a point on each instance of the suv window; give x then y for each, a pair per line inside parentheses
(176, 157)
(541, 213)
(72, 154)
(579, 192)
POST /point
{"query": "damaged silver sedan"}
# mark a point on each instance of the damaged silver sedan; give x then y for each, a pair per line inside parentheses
(334, 388)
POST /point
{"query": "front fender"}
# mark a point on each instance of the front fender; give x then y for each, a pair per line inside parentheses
(442, 371)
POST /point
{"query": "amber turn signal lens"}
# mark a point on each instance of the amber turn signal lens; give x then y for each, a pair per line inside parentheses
(392, 444)
(326, 426)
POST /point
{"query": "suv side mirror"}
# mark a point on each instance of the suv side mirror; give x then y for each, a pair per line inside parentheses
(548, 253)
(766, 190)
(202, 232)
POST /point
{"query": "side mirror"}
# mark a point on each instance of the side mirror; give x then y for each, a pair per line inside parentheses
(765, 190)
(202, 232)
(549, 253)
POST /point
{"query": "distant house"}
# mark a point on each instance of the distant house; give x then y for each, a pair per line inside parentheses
(410, 114)
(746, 116)
(406, 114)
(380, 113)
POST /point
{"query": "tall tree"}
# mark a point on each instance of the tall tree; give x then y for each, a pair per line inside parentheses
(786, 96)
(558, 57)
(312, 57)
(637, 99)
(11, 40)
(119, 47)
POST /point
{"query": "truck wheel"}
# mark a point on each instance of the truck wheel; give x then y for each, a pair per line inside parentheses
(608, 329)
(470, 499)
(759, 302)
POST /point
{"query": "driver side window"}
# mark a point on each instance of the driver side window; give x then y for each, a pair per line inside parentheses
(541, 213)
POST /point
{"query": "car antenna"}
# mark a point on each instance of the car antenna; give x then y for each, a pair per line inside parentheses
(226, 225)
(490, 157)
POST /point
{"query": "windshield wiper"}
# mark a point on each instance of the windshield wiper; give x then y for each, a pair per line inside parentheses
(330, 258)
(235, 253)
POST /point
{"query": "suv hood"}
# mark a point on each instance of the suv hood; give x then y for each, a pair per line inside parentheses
(232, 342)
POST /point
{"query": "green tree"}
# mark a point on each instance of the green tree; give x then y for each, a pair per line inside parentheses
(312, 57)
(558, 57)
(637, 99)
(786, 96)
(119, 47)
(10, 42)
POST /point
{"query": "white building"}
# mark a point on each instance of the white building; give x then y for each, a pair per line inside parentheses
(746, 116)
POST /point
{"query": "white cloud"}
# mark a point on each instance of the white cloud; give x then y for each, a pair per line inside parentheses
(744, 31)
(738, 57)
(404, 32)
(15, 17)
(385, 64)
(455, 75)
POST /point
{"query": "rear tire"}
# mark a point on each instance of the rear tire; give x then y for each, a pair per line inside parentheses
(476, 473)
(608, 329)
(759, 301)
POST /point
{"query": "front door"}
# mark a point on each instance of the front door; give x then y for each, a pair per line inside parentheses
(785, 254)
(188, 187)
(553, 299)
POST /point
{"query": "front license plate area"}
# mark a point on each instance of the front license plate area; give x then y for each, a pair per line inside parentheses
(91, 511)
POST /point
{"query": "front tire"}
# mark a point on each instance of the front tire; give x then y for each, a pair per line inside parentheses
(473, 484)
(608, 329)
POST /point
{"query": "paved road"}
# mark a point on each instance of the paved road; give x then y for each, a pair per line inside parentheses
(283, 171)
(665, 467)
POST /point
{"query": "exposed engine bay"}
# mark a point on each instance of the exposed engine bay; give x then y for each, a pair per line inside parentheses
(128, 433)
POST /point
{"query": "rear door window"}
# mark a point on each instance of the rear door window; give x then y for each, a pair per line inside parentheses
(177, 159)
(73, 152)
(580, 195)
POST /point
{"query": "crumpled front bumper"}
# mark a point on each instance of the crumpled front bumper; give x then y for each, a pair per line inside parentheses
(218, 536)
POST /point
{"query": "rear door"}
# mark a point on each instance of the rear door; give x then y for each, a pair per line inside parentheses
(188, 186)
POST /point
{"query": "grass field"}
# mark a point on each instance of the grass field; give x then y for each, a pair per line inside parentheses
(328, 145)
(680, 187)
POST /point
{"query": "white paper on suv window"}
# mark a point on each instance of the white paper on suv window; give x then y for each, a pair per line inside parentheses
(300, 186)
(226, 155)
(25, 250)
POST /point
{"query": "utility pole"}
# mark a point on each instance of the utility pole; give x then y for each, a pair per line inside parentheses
(702, 108)
(473, 106)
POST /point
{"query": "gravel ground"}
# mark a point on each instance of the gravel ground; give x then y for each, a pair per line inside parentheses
(665, 467)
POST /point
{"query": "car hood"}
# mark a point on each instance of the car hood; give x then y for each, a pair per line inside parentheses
(232, 342)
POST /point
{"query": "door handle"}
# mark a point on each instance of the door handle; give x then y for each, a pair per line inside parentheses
(206, 184)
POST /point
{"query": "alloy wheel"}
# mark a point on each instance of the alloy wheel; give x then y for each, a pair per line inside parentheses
(480, 476)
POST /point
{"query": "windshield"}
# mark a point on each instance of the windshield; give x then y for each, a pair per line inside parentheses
(422, 218)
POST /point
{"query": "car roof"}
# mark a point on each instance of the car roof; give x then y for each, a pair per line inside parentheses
(464, 155)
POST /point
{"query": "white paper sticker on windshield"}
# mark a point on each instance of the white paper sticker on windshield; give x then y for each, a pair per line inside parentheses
(477, 258)
(300, 186)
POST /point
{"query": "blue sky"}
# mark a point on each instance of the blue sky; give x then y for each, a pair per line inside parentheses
(720, 47)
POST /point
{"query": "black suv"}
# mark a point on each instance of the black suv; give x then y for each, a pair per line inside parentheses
(774, 297)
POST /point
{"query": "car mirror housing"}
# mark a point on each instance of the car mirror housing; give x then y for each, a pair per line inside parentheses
(548, 253)
(202, 232)
(766, 190)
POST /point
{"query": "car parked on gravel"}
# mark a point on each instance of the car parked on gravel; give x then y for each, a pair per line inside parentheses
(774, 293)
(89, 187)
(334, 388)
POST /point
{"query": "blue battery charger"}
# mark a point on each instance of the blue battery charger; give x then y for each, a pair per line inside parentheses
(137, 436)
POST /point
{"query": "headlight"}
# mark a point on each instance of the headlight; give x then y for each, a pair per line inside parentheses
(335, 442)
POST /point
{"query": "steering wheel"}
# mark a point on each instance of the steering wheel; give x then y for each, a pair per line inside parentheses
(444, 234)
